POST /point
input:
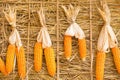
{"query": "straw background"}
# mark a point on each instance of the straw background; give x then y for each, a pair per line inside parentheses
(28, 26)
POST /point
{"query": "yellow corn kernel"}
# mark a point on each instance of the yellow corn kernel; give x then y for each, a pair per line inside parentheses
(67, 46)
(100, 61)
(82, 48)
(38, 56)
(10, 58)
(21, 61)
(50, 61)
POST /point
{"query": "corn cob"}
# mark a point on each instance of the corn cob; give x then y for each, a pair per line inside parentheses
(82, 48)
(67, 46)
(2, 67)
(10, 58)
(100, 61)
(21, 62)
(50, 61)
(38, 56)
(116, 55)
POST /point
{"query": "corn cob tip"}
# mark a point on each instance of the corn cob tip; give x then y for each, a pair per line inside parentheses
(22, 76)
(68, 59)
(36, 70)
(6, 74)
(52, 75)
(83, 59)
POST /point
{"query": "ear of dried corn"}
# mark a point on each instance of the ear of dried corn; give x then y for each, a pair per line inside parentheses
(10, 58)
(67, 46)
(82, 48)
(2, 67)
(38, 56)
(44, 37)
(21, 62)
(73, 30)
(50, 60)
(116, 56)
(15, 39)
(107, 39)
(100, 61)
